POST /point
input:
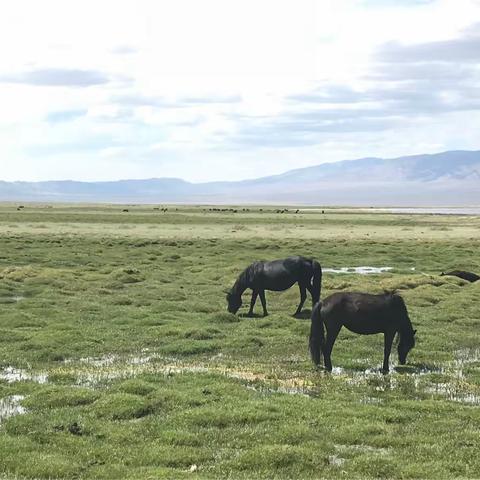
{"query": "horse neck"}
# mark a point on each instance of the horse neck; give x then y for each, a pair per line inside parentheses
(239, 286)
(406, 327)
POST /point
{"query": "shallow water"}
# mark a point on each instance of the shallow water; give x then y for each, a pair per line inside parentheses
(110, 368)
(303, 391)
(14, 299)
(371, 400)
(336, 461)
(10, 406)
(92, 371)
(454, 392)
(362, 448)
(12, 374)
(358, 270)
(418, 378)
(431, 210)
(467, 355)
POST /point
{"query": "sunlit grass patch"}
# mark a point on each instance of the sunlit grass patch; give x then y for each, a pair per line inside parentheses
(56, 396)
(121, 406)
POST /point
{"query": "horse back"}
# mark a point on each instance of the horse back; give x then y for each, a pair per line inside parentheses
(363, 312)
(301, 267)
(469, 276)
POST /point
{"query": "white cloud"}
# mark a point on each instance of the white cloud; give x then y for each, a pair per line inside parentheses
(222, 89)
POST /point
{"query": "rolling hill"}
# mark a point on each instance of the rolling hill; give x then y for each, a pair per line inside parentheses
(448, 178)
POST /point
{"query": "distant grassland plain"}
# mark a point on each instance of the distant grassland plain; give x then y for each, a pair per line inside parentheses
(118, 358)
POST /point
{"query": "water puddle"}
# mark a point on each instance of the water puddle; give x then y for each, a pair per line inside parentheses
(10, 406)
(454, 392)
(112, 367)
(105, 361)
(361, 448)
(371, 400)
(12, 374)
(91, 371)
(295, 386)
(417, 380)
(358, 270)
(467, 355)
(14, 299)
(336, 461)
(412, 369)
(357, 377)
(429, 210)
(464, 358)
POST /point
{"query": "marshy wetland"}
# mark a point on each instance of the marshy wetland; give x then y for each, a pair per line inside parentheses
(118, 358)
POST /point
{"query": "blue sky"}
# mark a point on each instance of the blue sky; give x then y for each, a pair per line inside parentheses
(227, 90)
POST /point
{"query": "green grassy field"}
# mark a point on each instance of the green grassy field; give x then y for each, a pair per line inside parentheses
(118, 358)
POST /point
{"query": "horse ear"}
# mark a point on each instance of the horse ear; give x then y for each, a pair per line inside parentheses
(414, 332)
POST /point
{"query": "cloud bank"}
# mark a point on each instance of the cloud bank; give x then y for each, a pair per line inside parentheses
(209, 91)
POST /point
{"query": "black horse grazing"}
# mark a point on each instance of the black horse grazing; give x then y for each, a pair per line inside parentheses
(469, 276)
(277, 275)
(361, 313)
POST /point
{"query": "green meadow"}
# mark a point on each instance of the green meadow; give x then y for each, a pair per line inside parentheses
(118, 358)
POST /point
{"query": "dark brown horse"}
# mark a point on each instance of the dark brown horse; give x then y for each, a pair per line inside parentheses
(469, 276)
(277, 275)
(361, 313)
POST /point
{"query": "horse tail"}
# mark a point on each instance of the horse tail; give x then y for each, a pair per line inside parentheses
(317, 334)
(316, 282)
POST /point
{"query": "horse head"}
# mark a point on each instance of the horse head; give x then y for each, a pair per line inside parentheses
(234, 302)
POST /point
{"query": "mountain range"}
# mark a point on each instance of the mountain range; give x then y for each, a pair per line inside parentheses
(449, 178)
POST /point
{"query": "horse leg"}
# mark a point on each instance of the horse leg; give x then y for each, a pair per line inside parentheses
(252, 303)
(264, 302)
(303, 296)
(388, 339)
(332, 334)
(310, 291)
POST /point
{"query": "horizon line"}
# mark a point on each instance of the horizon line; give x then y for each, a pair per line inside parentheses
(244, 179)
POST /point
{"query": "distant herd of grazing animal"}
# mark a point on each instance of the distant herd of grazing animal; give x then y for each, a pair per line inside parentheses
(362, 313)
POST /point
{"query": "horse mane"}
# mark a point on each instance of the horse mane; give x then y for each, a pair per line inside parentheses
(396, 300)
(406, 327)
(390, 292)
(245, 279)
